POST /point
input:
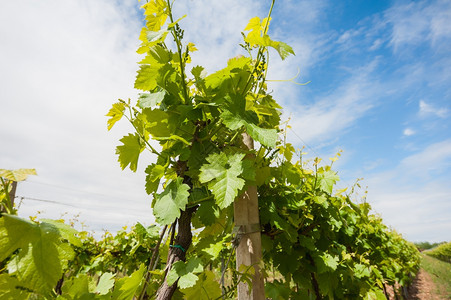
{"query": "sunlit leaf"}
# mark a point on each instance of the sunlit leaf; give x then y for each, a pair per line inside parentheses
(169, 203)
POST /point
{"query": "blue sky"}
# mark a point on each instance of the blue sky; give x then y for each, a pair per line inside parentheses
(380, 90)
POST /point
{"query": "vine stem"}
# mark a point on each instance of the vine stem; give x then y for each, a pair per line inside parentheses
(179, 51)
(152, 262)
(261, 49)
(152, 149)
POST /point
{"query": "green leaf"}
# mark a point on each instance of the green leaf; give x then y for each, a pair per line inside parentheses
(125, 288)
(17, 175)
(266, 137)
(160, 54)
(211, 246)
(116, 113)
(130, 150)
(283, 49)
(326, 262)
(169, 203)
(187, 280)
(146, 80)
(248, 170)
(330, 261)
(277, 290)
(263, 175)
(106, 282)
(184, 272)
(154, 174)
(40, 266)
(208, 212)
(361, 270)
(232, 120)
(66, 231)
(77, 287)
(206, 288)
(149, 100)
(375, 295)
(155, 37)
(157, 122)
(9, 288)
(326, 180)
(222, 173)
(16, 233)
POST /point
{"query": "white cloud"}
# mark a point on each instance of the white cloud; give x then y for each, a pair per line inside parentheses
(435, 157)
(331, 115)
(409, 200)
(63, 65)
(416, 22)
(408, 132)
(426, 110)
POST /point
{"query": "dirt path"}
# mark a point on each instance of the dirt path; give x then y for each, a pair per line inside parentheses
(423, 288)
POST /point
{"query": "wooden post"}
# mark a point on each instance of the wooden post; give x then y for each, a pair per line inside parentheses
(12, 193)
(249, 249)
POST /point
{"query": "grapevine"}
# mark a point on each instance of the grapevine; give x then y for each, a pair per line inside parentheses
(317, 243)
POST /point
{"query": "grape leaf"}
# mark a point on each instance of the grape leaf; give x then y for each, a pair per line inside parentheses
(235, 115)
(154, 174)
(248, 170)
(208, 212)
(66, 231)
(169, 203)
(326, 180)
(17, 175)
(206, 288)
(106, 282)
(149, 100)
(9, 290)
(146, 80)
(157, 122)
(40, 266)
(116, 113)
(130, 150)
(277, 290)
(155, 37)
(78, 287)
(125, 288)
(222, 173)
(267, 137)
(16, 233)
(184, 272)
(283, 49)
(232, 120)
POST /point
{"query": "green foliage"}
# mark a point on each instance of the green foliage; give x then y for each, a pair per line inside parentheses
(38, 254)
(322, 243)
(16, 175)
(184, 273)
(42, 253)
(169, 203)
(442, 252)
(315, 240)
(7, 177)
(427, 245)
(222, 173)
(206, 288)
(129, 151)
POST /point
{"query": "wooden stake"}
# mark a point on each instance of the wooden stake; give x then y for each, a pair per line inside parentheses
(12, 193)
(249, 250)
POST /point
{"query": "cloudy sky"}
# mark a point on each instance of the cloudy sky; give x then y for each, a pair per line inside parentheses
(380, 90)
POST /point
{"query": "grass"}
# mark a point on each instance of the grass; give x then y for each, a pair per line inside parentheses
(440, 272)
